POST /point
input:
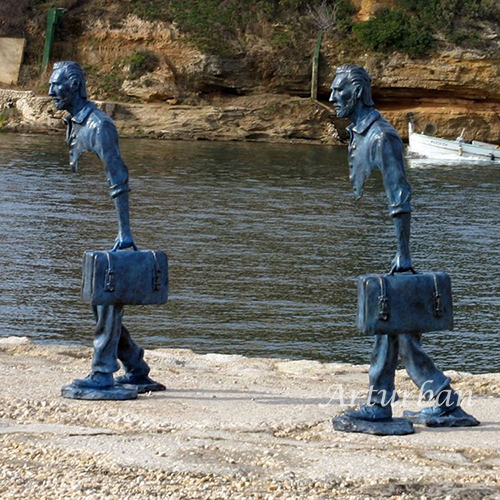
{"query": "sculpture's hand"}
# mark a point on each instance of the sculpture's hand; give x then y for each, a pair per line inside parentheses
(124, 241)
(401, 263)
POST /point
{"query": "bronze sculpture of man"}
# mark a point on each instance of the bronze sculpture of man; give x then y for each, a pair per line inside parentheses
(375, 144)
(90, 129)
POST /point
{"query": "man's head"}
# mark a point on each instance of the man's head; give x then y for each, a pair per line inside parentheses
(351, 85)
(67, 84)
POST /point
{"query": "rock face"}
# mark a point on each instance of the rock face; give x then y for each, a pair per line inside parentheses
(261, 92)
(152, 87)
(269, 118)
(22, 111)
(453, 90)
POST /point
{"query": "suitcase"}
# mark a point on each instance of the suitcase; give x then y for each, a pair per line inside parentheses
(404, 303)
(125, 277)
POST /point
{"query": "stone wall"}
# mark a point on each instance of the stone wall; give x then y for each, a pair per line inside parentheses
(11, 56)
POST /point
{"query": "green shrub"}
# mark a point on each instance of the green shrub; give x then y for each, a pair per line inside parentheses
(218, 25)
(466, 38)
(280, 36)
(412, 25)
(490, 10)
(140, 63)
(394, 30)
(149, 10)
(211, 23)
(105, 85)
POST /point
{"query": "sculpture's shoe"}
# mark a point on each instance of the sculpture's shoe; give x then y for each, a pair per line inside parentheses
(142, 382)
(98, 386)
(442, 416)
(391, 427)
(113, 393)
(371, 413)
(96, 380)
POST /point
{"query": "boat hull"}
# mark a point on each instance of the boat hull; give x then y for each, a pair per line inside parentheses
(428, 146)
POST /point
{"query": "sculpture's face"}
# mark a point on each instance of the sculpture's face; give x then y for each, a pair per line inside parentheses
(343, 96)
(61, 89)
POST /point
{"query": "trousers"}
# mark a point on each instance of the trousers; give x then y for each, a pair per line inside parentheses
(418, 364)
(112, 342)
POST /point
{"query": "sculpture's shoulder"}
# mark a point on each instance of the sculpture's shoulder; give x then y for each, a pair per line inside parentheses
(103, 128)
(384, 131)
(99, 119)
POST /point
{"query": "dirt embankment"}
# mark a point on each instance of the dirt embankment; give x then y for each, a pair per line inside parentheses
(228, 427)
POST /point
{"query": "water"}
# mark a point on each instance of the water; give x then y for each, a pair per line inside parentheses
(265, 244)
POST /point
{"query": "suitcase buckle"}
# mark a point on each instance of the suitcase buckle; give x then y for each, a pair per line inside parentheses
(156, 280)
(383, 308)
(109, 281)
(438, 305)
(383, 301)
(156, 274)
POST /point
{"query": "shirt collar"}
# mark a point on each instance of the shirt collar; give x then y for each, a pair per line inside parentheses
(81, 116)
(364, 124)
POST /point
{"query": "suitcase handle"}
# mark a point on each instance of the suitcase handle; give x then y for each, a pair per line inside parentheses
(393, 271)
(115, 248)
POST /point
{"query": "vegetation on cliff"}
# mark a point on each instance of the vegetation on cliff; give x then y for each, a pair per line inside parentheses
(409, 26)
(413, 26)
(266, 43)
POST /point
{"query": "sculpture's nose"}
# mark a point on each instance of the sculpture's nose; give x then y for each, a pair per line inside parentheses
(332, 97)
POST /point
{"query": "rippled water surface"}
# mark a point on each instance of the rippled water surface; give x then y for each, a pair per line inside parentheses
(265, 245)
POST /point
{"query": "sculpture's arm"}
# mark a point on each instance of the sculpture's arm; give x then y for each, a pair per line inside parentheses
(108, 150)
(390, 161)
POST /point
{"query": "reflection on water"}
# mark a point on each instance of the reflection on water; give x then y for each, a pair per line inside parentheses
(265, 244)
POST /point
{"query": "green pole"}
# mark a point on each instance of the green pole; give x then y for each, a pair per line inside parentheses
(53, 17)
(315, 65)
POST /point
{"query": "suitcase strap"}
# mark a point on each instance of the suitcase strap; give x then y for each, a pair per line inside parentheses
(383, 300)
(156, 274)
(438, 305)
(109, 280)
(110, 277)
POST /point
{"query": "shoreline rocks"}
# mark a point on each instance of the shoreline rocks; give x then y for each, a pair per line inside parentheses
(256, 118)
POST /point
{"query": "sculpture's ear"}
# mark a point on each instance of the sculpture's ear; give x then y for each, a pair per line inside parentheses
(358, 91)
(75, 85)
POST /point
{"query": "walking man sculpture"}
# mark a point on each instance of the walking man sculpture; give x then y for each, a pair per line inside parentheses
(375, 144)
(90, 129)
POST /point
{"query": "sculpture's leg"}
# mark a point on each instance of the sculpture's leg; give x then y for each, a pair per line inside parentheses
(420, 366)
(100, 384)
(402, 260)
(106, 338)
(383, 365)
(446, 411)
(375, 417)
(136, 369)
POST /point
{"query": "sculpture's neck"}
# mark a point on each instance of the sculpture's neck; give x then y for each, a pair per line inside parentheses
(360, 113)
(76, 106)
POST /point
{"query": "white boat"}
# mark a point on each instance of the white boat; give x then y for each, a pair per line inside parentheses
(427, 146)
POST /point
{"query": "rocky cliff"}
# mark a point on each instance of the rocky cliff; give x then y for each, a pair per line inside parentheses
(258, 90)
